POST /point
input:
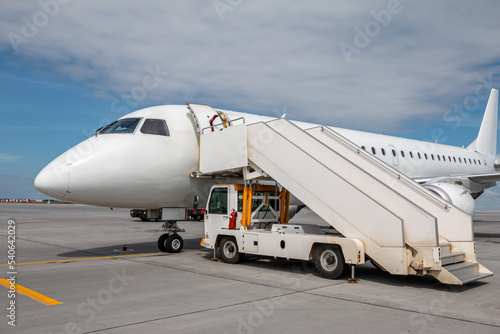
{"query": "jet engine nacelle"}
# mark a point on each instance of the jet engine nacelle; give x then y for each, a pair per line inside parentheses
(454, 194)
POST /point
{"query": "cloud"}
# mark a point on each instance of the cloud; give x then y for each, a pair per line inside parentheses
(265, 55)
(489, 199)
(7, 157)
(410, 65)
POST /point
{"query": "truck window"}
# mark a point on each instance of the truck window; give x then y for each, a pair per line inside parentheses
(275, 204)
(218, 201)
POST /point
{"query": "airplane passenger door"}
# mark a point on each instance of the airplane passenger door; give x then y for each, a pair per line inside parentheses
(218, 206)
(394, 153)
(203, 115)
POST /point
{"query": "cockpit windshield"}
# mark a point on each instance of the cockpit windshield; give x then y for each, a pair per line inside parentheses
(125, 125)
(155, 127)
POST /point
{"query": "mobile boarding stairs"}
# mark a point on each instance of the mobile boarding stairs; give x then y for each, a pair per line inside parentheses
(405, 229)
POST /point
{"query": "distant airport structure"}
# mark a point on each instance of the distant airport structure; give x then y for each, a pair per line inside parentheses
(25, 200)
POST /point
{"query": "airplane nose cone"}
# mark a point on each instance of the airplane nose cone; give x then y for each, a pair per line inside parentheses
(53, 180)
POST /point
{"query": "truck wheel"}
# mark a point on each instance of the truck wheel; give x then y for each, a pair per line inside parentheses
(229, 251)
(174, 243)
(329, 261)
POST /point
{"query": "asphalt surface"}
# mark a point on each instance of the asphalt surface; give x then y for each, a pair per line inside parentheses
(72, 256)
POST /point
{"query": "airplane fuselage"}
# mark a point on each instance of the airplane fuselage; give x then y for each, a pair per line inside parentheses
(140, 170)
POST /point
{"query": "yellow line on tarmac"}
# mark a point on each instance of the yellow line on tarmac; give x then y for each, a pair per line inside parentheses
(487, 223)
(83, 259)
(30, 293)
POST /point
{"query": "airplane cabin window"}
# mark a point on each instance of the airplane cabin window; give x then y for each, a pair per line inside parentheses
(394, 153)
(374, 151)
(155, 127)
(403, 154)
(383, 151)
(444, 158)
(465, 160)
(419, 156)
(125, 125)
(454, 159)
(459, 160)
(425, 155)
(470, 161)
(411, 154)
(364, 148)
(479, 162)
(432, 156)
(449, 158)
(439, 158)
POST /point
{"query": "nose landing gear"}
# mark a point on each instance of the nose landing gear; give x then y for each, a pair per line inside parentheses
(171, 242)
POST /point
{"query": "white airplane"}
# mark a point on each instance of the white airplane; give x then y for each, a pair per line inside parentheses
(144, 160)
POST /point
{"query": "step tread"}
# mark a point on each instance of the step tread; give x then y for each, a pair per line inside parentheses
(444, 256)
(459, 266)
(472, 278)
(452, 258)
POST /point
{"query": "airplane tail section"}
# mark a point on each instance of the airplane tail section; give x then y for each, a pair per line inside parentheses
(486, 141)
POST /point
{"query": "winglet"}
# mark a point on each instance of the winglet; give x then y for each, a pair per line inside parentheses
(486, 141)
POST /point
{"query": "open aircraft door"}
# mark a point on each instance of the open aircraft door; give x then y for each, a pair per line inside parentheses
(206, 118)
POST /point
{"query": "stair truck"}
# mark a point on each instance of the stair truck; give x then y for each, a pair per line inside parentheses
(252, 219)
(382, 214)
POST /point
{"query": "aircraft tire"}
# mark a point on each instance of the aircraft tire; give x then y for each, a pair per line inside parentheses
(174, 243)
(329, 261)
(229, 251)
(161, 242)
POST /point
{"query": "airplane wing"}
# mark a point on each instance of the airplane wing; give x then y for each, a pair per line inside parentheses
(482, 178)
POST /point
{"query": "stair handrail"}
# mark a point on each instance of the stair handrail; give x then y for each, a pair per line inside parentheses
(384, 165)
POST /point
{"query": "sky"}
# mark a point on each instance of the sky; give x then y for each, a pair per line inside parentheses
(415, 69)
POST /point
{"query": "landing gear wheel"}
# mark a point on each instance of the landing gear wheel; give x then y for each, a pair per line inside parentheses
(329, 261)
(161, 242)
(229, 251)
(144, 218)
(174, 243)
(170, 243)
